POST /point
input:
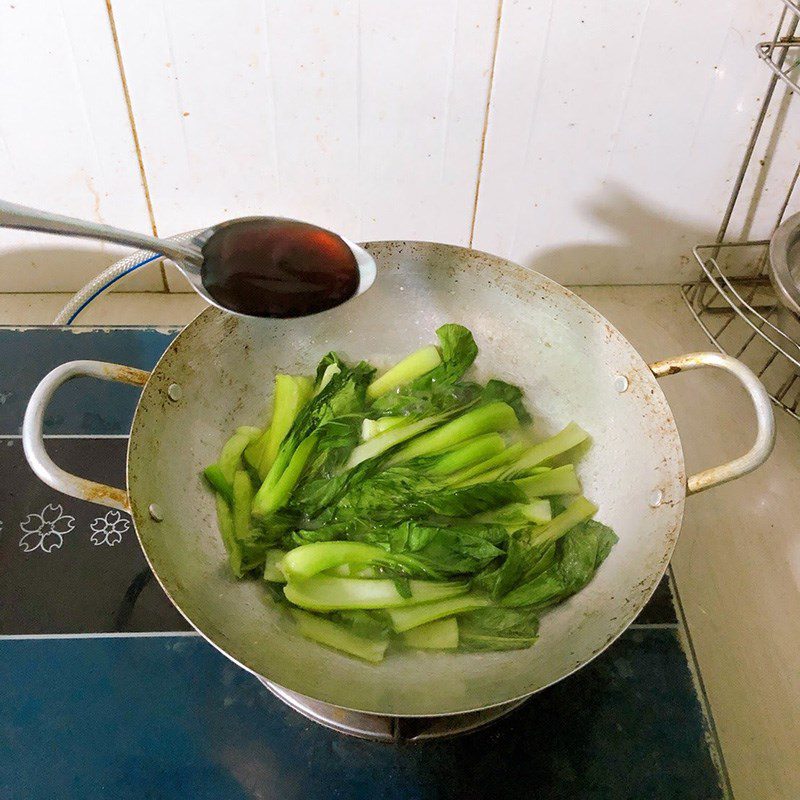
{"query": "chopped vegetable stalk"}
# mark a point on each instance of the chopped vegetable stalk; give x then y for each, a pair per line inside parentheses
(561, 480)
(242, 556)
(332, 635)
(388, 439)
(579, 510)
(516, 515)
(404, 619)
(309, 559)
(219, 483)
(225, 524)
(291, 393)
(250, 431)
(479, 473)
(230, 457)
(274, 495)
(353, 571)
(493, 417)
(441, 634)
(564, 440)
(242, 504)
(405, 371)
(272, 566)
(324, 593)
(370, 428)
(254, 451)
(472, 452)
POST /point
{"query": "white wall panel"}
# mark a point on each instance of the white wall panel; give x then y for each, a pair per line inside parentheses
(615, 130)
(615, 127)
(366, 117)
(65, 143)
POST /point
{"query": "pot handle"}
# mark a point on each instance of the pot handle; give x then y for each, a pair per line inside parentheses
(765, 421)
(33, 438)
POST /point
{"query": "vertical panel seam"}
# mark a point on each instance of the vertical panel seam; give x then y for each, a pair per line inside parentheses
(485, 122)
(135, 135)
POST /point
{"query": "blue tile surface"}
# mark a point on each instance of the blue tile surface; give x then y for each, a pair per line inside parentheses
(169, 717)
(84, 405)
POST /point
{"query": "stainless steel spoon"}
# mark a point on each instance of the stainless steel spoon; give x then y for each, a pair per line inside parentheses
(186, 255)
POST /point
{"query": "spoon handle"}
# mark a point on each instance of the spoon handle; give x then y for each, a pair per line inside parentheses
(31, 219)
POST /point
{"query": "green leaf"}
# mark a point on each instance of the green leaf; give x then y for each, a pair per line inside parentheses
(328, 360)
(509, 394)
(416, 403)
(458, 350)
(521, 560)
(401, 493)
(467, 501)
(494, 628)
(583, 550)
(460, 549)
(578, 555)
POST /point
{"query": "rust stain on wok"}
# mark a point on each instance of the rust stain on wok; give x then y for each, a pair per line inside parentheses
(99, 493)
(136, 377)
(672, 369)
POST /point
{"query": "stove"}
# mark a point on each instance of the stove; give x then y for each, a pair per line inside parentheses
(388, 729)
(105, 691)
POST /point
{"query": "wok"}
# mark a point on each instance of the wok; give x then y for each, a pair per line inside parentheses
(573, 365)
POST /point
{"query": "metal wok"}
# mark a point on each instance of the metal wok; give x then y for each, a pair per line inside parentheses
(573, 365)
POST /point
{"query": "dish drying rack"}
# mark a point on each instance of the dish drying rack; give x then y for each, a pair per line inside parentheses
(739, 312)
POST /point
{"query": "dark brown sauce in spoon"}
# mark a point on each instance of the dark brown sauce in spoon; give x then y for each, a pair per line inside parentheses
(278, 268)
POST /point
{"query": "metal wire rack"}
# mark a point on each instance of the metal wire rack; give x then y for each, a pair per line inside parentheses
(735, 305)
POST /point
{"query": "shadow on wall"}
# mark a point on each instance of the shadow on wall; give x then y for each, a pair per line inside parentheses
(650, 245)
(25, 269)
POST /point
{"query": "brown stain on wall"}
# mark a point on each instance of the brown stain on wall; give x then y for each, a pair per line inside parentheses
(134, 134)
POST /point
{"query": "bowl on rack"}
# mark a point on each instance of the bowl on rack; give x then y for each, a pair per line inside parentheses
(784, 273)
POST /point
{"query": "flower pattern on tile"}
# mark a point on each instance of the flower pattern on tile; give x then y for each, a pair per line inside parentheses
(109, 529)
(45, 530)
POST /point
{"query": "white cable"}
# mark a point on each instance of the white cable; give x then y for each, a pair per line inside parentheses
(108, 277)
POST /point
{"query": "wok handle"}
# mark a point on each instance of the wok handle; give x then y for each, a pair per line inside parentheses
(765, 421)
(33, 438)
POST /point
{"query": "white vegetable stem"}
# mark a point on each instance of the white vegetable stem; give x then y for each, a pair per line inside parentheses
(324, 593)
(442, 634)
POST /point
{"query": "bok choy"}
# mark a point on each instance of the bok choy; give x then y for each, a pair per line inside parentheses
(409, 508)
